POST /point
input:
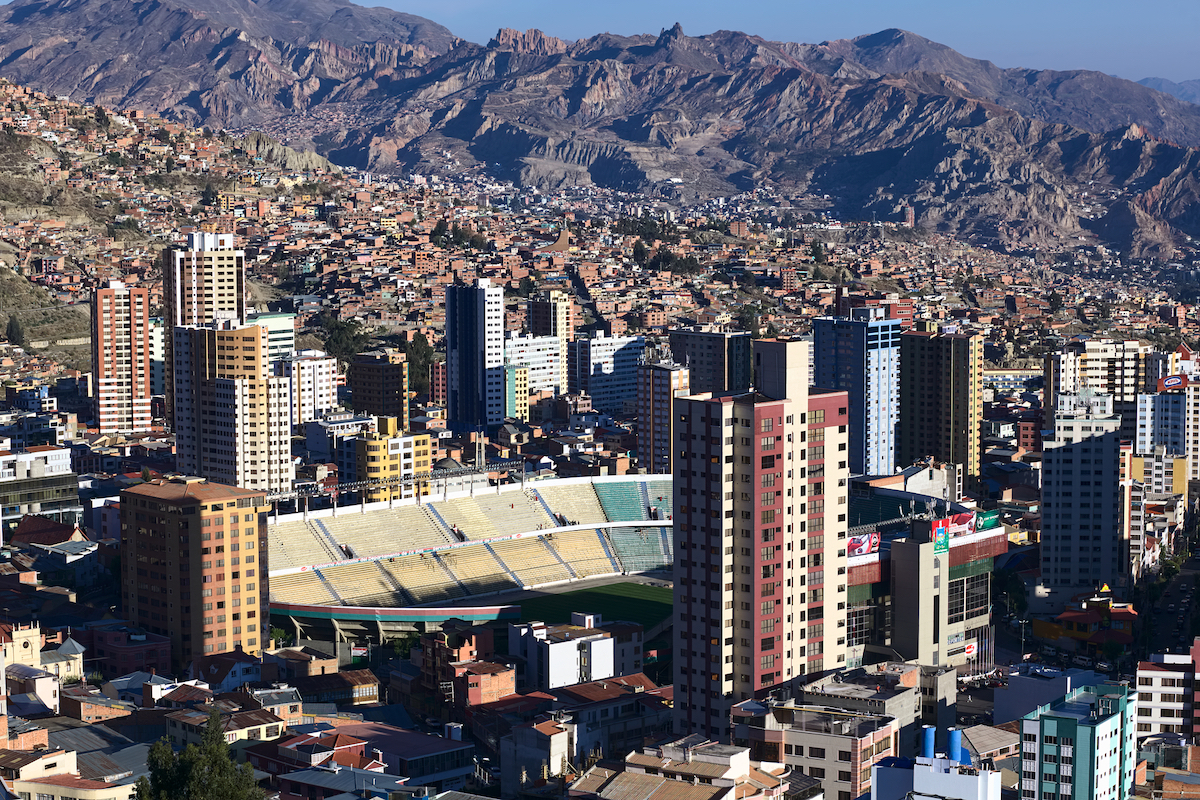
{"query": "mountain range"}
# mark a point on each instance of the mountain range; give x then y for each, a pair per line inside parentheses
(1022, 158)
(1187, 90)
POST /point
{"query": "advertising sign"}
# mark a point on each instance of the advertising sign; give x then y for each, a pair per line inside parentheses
(941, 536)
(985, 520)
(962, 524)
(862, 544)
(1173, 382)
(969, 650)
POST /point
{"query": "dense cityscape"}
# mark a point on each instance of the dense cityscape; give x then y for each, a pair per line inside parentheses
(798, 506)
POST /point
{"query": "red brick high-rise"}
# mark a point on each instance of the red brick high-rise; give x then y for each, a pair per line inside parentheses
(194, 565)
(121, 358)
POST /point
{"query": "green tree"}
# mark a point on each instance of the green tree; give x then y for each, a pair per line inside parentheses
(818, 252)
(747, 318)
(209, 196)
(1112, 651)
(1009, 588)
(438, 235)
(526, 287)
(419, 353)
(15, 333)
(343, 338)
(663, 259)
(641, 254)
(201, 772)
(478, 242)
(402, 645)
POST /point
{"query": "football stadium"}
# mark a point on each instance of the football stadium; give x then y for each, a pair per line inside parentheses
(377, 570)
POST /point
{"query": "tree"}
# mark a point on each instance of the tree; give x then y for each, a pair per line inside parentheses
(438, 235)
(402, 645)
(419, 353)
(15, 332)
(201, 772)
(747, 318)
(663, 259)
(343, 339)
(641, 253)
(1009, 587)
(526, 287)
(818, 252)
(1112, 651)
(209, 196)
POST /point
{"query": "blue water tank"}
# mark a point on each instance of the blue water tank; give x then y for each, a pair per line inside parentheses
(954, 744)
(928, 734)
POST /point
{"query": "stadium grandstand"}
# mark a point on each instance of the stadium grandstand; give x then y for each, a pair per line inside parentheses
(379, 569)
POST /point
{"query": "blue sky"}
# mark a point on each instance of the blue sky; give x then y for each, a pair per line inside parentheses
(1133, 40)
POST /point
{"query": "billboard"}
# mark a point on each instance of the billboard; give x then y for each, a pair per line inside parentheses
(862, 544)
(941, 536)
(1173, 382)
(961, 524)
(987, 519)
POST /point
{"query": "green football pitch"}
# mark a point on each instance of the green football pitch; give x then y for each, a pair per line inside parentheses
(633, 602)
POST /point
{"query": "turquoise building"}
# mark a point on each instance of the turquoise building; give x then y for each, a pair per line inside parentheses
(1082, 746)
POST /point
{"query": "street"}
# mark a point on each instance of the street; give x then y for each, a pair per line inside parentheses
(1171, 618)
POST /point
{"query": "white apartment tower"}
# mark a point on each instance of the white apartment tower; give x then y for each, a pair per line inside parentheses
(760, 493)
(552, 313)
(313, 379)
(232, 415)
(203, 282)
(1120, 369)
(544, 356)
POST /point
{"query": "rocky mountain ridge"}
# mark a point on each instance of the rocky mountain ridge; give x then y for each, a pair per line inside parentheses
(1013, 156)
(1188, 91)
(215, 62)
